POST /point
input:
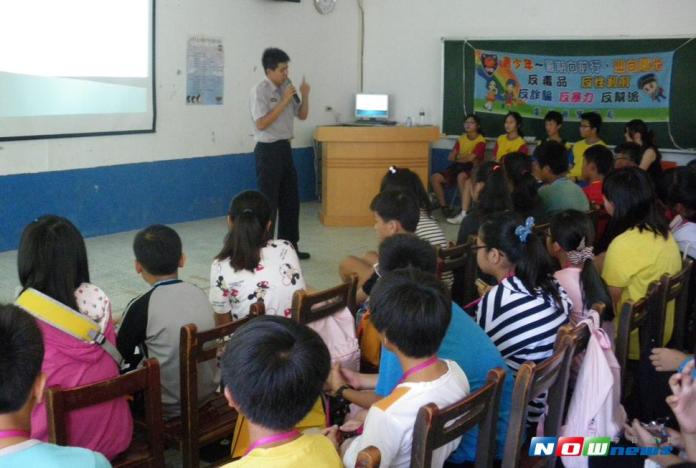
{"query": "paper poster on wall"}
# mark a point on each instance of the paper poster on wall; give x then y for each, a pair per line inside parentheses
(619, 87)
(205, 74)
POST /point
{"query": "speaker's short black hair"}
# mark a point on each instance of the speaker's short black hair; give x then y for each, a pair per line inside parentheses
(406, 250)
(272, 57)
(397, 205)
(21, 355)
(158, 249)
(412, 309)
(275, 370)
(554, 155)
(601, 156)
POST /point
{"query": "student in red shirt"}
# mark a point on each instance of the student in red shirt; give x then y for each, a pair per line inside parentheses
(598, 162)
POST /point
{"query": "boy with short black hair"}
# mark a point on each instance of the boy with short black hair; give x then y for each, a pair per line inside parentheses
(627, 154)
(598, 162)
(411, 312)
(395, 212)
(21, 389)
(274, 370)
(558, 193)
(590, 124)
(152, 322)
(553, 121)
(464, 343)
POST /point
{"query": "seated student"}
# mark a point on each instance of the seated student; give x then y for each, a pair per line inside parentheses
(558, 193)
(598, 162)
(523, 312)
(636, 131)
(643, 249)
(412, 312)
(274, 370)
(513, 140)
(524, 187)
(681, 195)
(553, 121)
(21, 389)
(468, 153)
(395, 212)
(53, 272)
(152, 322)
(251, 265)
(570, 241)
(590, 124)
(491, 195)
(464, 343)
(626, 155)
(408, 181)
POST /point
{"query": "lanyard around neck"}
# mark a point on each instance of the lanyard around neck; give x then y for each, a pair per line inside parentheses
(423, 365)
(272, 439)
(10, 433)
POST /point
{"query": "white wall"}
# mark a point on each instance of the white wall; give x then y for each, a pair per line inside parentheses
(403, 49)
(324, 48)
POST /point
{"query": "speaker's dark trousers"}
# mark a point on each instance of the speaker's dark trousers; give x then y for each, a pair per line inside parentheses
(276, 178)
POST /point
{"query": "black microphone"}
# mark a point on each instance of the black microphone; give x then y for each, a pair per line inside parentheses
(294, 96)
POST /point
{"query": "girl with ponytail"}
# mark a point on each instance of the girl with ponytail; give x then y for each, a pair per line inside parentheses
(571, 241)
(251, 265)
(523, 312)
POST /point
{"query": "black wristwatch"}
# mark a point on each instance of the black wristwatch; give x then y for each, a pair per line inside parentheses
(339, 393)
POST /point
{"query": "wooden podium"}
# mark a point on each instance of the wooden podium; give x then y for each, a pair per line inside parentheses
(354, 160)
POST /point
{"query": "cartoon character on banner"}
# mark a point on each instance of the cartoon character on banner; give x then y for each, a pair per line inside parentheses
(489, 62)
(649, 85)
(510, 100)
(491, 95)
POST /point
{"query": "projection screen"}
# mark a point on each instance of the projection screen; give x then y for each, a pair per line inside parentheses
(76, 67)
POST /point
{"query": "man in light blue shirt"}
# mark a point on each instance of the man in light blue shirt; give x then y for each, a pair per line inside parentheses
(274, 104)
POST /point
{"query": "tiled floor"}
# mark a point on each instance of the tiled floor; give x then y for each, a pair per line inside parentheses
(111, 257)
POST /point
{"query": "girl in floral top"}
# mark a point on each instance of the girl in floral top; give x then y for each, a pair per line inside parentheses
(251, 266)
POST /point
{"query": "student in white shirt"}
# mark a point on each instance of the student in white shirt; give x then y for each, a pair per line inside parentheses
(251, 265)
(411, 312)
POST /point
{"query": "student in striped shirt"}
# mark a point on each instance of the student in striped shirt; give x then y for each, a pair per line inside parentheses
(523, 312)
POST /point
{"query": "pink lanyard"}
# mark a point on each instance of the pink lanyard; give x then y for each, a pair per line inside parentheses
(423, 365)
(272, 439)
(8, 434)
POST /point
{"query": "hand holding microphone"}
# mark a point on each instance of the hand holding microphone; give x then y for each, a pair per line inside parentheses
(291, 91)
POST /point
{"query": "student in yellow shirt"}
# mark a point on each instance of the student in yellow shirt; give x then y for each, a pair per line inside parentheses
(641, 253)
(513, 140)
(274, 370)
(590, 123)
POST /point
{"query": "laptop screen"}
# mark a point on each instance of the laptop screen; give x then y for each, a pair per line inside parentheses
(371, 106)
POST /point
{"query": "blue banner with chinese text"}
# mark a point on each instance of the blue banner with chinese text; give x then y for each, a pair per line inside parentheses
(619, 87)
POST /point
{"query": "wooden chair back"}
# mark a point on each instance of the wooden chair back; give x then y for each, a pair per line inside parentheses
(436, 427)
(676, 288)
(369, 457)
(198, 426)
(634, 316)
(148, 453)
(309, 307)
(532, 380)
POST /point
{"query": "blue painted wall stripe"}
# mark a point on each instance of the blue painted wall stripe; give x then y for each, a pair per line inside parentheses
(110, 199)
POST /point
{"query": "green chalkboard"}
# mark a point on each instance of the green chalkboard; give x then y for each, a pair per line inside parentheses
(458, 86)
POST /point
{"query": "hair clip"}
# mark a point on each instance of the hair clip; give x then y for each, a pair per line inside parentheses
(392, 170)
(496, 167)
(524, 230)
(247, 211)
